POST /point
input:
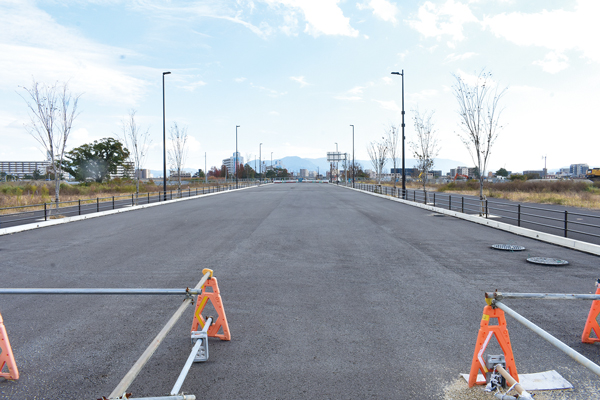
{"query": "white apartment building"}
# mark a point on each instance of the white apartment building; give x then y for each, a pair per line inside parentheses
(230, 163)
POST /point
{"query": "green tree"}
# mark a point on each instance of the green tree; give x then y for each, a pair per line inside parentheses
(37, 175)
(502, 172)
(96, 160)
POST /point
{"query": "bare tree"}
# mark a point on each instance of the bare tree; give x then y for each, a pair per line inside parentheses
(136, 141)
(178, 151)
(426, 146)
(52, 110)
(378, 154)
(479, 119)
(392, 142)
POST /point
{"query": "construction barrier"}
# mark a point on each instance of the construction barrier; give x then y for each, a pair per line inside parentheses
(591, 324)
(486, 332)
(7, 360)
(495, 308)
(220, 327)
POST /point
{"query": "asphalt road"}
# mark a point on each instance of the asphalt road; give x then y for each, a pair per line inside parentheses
(330, 294)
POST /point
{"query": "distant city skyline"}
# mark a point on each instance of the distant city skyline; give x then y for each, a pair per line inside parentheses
(295, 74)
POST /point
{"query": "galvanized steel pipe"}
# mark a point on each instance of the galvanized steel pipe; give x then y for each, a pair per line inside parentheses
(542, 296)
(139, 364)
(190, 360)
(116, 291)
(554, 341)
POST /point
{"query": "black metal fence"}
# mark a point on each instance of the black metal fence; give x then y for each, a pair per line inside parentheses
(574, 224)
(19, 215)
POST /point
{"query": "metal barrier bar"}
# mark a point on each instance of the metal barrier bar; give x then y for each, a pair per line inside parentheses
(542, 296)
(190, 360)
(139, 364)
(580, 358)
(180, 397)
(117, 291)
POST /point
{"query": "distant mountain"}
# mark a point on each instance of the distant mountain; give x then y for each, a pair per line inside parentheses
(311, 164)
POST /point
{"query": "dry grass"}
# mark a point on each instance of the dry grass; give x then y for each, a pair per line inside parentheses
(23, 194)
(566, 193)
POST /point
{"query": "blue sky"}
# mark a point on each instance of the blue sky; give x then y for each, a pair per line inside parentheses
(294, 74)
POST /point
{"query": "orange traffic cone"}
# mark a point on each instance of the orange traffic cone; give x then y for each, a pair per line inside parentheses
(486, 331)
(220, 324)
(592, 322)
(6, 355)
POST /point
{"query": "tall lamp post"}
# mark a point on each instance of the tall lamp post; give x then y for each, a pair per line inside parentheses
(271, 161)
(205, 171)
(164, 141)
(403, 166)
(260, 163)
(336, 163)
(352, 155)
(236, 158)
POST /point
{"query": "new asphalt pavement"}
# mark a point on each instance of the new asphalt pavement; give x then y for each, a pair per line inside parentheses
(330, 293)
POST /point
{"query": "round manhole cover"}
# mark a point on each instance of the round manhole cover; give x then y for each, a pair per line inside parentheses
(508, 247)
(547, 261)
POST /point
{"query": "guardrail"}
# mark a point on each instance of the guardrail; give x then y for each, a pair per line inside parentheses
(43, 212)
(563, 222)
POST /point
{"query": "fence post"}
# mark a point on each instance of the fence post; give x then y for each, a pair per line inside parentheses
(487, 213)
(45, 214)
(434, 199)
(114, 202)
(79, 206)
(148, 197)
(415, 196)
(97, 204)
(462, 204)
(449, 202)
(566, 222)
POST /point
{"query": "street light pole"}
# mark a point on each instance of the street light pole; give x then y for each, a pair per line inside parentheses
(260, 163)
(336, 163)
(205, 171)
(164, 140)
(271, 161)
(236, 157)
(353, 178)
(403, 165)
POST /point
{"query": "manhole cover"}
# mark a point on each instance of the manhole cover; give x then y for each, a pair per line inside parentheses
(547, 261)
(508, 247)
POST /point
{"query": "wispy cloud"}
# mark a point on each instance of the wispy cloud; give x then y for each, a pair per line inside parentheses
(458, 57)
(348, 98)
(300, 80)
(388, 105)
(447, 19)
(578, 30)
(193, 86)
(382, 9)
(553, 62)
(270, 92)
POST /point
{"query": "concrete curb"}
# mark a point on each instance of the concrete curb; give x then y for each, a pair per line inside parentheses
(530, 233)
(43, 224)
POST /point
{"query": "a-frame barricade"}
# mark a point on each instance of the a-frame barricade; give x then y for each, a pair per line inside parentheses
(219, 328)
(486, 331)
(7, 360)
(591, 324)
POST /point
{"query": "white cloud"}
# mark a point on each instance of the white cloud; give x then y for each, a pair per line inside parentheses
(389, 105)
(459, 57)
(381, 8)
(557, 30)
(270, 92)
(446, 19)
(323, 17)
(348, 98)
(553, 62)
(193, 86)
(275, 113)
(240, 80)
(387, 80)
(33, 44)
(300, 80)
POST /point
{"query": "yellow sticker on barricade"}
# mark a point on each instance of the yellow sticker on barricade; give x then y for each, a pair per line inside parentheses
(485, 317)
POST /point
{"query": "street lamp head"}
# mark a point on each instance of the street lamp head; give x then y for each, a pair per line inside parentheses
(166, 73)
(237, 126)
(396, 73)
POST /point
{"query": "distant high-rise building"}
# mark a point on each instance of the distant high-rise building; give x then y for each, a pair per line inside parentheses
(22, 168)
(230, 163)
(578, 169)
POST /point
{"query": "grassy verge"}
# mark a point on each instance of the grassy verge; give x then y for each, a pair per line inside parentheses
(566, 193)
(23, 194)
